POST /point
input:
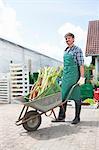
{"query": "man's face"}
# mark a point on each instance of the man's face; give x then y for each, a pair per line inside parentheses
(69, 40)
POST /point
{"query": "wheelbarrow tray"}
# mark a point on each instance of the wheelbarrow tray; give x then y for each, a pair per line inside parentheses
(46, 103)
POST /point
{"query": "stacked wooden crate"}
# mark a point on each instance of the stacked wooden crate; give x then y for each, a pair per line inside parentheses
(4, 88)
(19, 80)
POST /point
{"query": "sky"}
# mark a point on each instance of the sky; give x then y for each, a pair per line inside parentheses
(41, 24)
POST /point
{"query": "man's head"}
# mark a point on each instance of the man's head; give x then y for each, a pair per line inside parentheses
(69, 37)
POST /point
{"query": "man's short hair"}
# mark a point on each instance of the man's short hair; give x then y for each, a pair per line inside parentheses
(69, 34)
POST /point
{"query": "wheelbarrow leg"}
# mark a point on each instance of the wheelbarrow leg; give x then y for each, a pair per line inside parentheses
(54, 114)
(22, 113)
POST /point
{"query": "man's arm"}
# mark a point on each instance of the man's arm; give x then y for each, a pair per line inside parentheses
(82, 71)
(81, 64)
(81, 81)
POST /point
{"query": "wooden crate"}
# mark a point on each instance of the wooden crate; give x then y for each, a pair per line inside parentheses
(4, 88)
(19, 80)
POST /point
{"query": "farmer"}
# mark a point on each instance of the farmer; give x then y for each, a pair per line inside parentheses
(73, 73)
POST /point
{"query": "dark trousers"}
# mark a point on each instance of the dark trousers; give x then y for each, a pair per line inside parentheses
(62, 110)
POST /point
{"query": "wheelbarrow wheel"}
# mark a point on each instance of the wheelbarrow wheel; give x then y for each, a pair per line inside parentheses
(33, 123)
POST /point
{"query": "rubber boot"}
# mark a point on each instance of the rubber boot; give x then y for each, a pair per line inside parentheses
(62, 111)
(61, 116)
(77, 113)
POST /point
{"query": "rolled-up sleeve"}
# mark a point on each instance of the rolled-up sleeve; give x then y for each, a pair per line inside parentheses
(80, 58)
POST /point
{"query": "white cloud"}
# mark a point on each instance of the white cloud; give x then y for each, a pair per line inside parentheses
(49, 50)
(1, 4)
(9, 26)
(80, 34)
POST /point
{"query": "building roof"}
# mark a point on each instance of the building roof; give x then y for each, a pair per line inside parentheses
(17, 45)
(92, 45)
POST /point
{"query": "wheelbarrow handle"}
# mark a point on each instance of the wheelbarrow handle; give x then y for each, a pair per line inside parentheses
(72, 88)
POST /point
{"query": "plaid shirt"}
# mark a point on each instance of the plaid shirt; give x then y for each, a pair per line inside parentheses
(77, 54)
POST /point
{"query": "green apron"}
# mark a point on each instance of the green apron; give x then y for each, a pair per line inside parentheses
(70, 77)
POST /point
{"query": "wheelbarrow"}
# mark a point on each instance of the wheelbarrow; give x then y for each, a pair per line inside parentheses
(31, 119)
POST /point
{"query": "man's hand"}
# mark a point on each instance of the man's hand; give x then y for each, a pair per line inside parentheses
(81, 81)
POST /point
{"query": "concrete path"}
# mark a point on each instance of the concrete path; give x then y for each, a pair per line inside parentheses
(49, 136)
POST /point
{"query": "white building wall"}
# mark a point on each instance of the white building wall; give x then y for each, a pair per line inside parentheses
(8, 53)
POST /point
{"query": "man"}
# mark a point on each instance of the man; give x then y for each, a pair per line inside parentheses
(73, 72)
